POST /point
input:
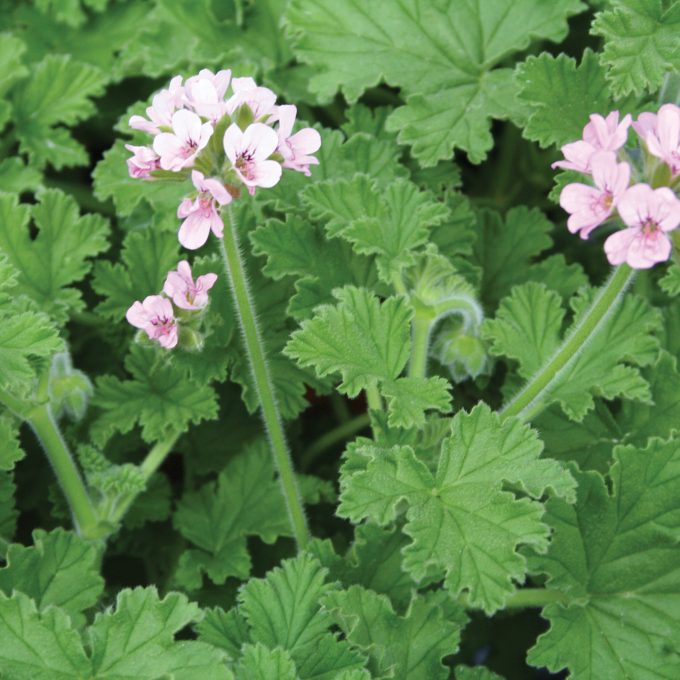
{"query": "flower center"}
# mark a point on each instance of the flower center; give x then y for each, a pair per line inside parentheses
(245, 165)
(649, 227)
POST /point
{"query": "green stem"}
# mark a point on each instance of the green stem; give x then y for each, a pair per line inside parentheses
(530, 401)
(158, 453)
(420, 343)
(46, 429)
(373, 397)
(338, 434)
(527, 597)
(229, 247)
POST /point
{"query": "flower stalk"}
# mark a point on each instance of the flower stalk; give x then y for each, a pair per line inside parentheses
(243, 303)
(531, 399)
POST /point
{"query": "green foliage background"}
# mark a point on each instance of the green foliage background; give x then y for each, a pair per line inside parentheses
(439, 120)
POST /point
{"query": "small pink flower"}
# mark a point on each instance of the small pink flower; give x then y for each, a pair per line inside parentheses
(186, 293)
(248, 152)
(163, 105)
(204, 93)
(661, 133)
(607, 134)
(600, 134)
(296, 149)
(261, 100)
(577, 157)
(144, 161)
(649, 214)
(177, 149)
(156, 318)
(591, 206)
(200, 215)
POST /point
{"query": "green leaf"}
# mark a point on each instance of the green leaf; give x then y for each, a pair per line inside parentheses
(614, 556)
(8, 513)
(12, 70)
(260, 663)
(368, 342)
(22, 336)
(59, 569)
(16, 177)
(298, 248)
(461, 520)
(661, 417)
(160, 397)
(608, 364)
(670, 282)
(217, 519)
(359, 337)
(112, 180)
(10, 449)
(409, 398)
(147, 257)
(58, 256)
(639, 43)
(408, 647)
(555, 84)
(390, 224)
(58, 92)
(137, 640)
(476, 673)
(38, 645)
(506, 248)
(441, 55)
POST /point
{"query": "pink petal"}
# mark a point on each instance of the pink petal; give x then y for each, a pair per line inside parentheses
(216, 224)
(632, 205)
(184, 270)
(268, 174)
(194, 231)
(617, 245)
(233, 142)
(286, 116)
(174, 285)
(186, 125)
(217, 190)
(668, 127)
(206, 282)
(262, 139)
(197, 178)
(307, 141)
(187, 206)
(136, 315)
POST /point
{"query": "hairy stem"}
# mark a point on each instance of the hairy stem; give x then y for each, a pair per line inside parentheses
(339, 434)
(531, 399)
(83, 510)
(243, 303)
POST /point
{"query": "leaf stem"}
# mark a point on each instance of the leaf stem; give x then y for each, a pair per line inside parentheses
(373, 397)
(530, 400)
(233, 264)
(338, 434)
(153, 460)
(527, 597)
(83, 510)
(420, 344)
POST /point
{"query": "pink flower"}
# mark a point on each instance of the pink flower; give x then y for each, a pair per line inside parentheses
(184, 292)
(295, 149)
(600, 134)
(662, 135)
(156, 318)
(649, 214)
(200, 215)
(204, 93)
(261, 100)
(248, 152)
(163, 105)
(607, 134)
(177, 149)
(577, 157)
(591, 206)
(144, 161)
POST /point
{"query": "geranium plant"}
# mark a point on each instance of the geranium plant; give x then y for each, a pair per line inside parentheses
(338, 340)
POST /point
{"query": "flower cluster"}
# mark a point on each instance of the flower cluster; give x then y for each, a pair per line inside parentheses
(230, 134)
(649, 209)
(156, 316)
